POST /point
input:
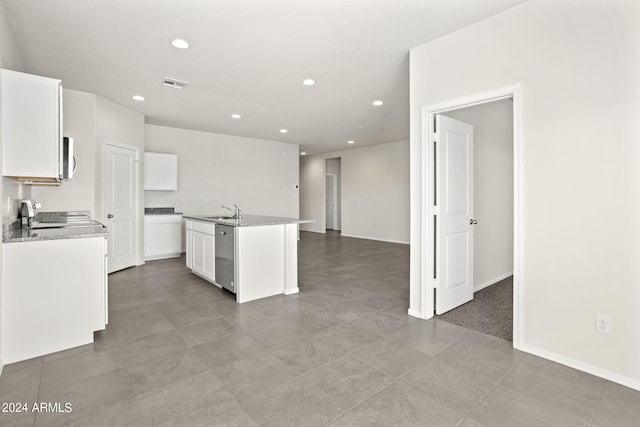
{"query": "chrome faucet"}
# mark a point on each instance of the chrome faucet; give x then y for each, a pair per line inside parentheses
(237, 213)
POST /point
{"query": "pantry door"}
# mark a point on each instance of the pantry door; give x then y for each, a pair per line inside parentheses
(454, 219)
(120, 196)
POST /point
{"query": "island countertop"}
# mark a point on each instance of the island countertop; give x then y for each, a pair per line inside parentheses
(248, 220)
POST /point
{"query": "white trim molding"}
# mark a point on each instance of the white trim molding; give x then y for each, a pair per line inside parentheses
(584, 367)
(374, 238)
(492, 281)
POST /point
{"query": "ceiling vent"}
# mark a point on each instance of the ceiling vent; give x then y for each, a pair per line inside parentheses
(174, 83)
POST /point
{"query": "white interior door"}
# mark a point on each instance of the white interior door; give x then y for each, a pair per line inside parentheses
(454, 224)
(330, 202)
(120, 184)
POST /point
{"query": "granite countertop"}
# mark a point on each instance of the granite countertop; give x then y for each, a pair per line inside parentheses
(161, 211)
(249, 220)
(67, 225)
(22, 234)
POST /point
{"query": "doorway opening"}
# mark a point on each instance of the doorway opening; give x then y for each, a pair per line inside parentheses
(430, 264)
(333, 195)
(490, 309)
(120, 192)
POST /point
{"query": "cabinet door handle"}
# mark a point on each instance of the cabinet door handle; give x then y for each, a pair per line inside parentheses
(109, 216)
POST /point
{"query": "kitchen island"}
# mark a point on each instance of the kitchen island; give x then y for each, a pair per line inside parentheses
(254, 256)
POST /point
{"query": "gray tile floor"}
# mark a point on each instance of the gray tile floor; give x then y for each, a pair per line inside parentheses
(343, 352)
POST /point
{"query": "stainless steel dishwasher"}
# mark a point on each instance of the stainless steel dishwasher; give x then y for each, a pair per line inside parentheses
(225, 257)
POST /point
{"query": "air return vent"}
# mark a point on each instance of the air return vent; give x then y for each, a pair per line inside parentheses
(174, 83)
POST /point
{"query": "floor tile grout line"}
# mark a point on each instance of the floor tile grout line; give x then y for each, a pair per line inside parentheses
(401, 377)
(381, 390)
(534, 399)
(595, 410)
(492, 389)
(39, 390)
(544, 404)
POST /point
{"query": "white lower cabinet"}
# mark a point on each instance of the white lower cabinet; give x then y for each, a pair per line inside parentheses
(189, 242)
(55, 296)
(266, 258)
(203, 250)
(162, 236)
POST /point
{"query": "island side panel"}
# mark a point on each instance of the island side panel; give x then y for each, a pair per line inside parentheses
(291, 259)
(260, 262)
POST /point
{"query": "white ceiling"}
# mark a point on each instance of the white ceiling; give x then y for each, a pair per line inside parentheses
(247, 57)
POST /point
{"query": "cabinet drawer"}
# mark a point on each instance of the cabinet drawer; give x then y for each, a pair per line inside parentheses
(204, 227)
(188, 224)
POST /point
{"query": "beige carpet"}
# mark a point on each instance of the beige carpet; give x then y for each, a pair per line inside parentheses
(490, 311)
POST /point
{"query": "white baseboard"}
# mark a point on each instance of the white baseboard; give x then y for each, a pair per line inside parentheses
(292, 291)
(315, 231)
(584, 367)
(374, 238)
(414, 313)
(492, 282)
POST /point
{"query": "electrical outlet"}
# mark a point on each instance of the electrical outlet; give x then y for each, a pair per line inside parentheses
(603, 324)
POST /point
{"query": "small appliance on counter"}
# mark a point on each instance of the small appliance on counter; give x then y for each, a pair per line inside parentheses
(27, 212)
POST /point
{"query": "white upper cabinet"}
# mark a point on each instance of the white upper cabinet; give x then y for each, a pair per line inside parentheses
(31, 125)
(160, 171)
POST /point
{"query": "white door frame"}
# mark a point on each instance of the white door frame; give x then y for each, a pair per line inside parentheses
(427, 164)
(334, 180)
(136, 150)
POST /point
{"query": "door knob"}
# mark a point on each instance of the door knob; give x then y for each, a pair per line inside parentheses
(109, 216)
(473, 221)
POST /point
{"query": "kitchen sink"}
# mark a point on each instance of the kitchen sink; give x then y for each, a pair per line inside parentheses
(219, 217)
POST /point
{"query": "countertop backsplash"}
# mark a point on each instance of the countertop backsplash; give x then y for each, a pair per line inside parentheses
(160, 211)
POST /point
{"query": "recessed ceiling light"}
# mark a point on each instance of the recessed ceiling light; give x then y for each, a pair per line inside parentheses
(350, 142)
(283, 131)
(236, 116)
(308, 82)
(303, 153)
(180, 43)
(361, 127)
(138, 97)
(377, 103)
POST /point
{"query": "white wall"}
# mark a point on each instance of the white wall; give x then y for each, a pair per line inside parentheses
(77, 194)
(119, 125)
(578, 64)
(374, 191)
(93, 121)
(493, 188)
(260, 176)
